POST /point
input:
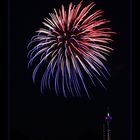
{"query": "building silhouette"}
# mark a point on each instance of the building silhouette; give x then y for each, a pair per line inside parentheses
(106, 126)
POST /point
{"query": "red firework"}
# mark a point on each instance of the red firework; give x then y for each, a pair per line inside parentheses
(69, 43)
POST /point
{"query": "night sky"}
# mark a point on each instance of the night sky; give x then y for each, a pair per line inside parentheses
(34, 116)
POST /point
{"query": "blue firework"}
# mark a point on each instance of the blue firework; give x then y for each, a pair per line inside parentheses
(70, 44)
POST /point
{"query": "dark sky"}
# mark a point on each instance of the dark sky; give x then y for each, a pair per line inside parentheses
(47, 117)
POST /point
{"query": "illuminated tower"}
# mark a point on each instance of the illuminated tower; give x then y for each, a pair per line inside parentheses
(106, 127)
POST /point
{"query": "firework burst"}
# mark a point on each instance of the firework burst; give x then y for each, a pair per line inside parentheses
(71, 43)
